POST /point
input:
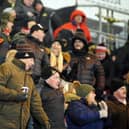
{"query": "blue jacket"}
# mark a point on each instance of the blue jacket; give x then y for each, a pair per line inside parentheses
(79, 115)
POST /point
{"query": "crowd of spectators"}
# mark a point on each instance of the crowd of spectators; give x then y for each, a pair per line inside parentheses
(45, 66)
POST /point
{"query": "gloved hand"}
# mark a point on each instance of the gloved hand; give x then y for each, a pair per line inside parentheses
(103, 112)
(21, 97)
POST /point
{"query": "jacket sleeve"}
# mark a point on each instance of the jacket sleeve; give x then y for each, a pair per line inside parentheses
(6, 94)
(37, 110)
(81, 114)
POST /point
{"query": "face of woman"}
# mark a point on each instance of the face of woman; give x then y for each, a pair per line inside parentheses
(78, 19)
(91, 98)
(78, 44)
(56, 48)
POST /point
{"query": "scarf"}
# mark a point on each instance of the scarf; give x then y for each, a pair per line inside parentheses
(56, 61)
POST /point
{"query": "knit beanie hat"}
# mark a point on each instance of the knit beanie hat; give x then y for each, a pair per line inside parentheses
(38, 27)
(84, 89)
(24, 55)
(117, 83)
(101, 49)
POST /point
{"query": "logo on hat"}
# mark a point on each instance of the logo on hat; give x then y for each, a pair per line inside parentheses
(26, 55)
(40, 26)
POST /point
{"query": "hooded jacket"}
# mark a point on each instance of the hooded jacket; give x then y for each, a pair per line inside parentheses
(72, 26)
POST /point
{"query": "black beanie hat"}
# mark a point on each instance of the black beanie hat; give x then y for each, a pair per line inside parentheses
(38, 27)
(117, 83)
(24, 55)
(48, 71)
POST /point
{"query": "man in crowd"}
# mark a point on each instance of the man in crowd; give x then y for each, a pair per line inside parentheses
(118, 105)
(52, 97)
(85, 67)
(18, 95)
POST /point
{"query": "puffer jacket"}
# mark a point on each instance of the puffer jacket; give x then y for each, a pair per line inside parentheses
(15, 114)
(53, 103)
(88, 70)
(80, 115)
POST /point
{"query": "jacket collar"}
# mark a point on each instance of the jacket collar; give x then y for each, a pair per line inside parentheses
(19, 64)
(112, 98)
(34, 40)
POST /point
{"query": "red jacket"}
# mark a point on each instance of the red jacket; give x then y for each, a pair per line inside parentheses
(72, 26)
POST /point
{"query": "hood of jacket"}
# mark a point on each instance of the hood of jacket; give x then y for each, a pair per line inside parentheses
(78, 12)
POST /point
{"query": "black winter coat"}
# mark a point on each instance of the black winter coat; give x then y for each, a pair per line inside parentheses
(53, 104)
(87, 69)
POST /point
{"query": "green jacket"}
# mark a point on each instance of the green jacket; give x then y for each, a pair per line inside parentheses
(15, 115)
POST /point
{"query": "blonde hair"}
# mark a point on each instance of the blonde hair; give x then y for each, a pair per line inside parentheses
(56, 56)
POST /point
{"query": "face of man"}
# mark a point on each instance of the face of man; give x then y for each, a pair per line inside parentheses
(29, 63)
(78, 44)
(54, 81)
(41, 35)
(121, 93)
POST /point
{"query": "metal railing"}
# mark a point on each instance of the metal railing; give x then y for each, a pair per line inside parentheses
(112, 40)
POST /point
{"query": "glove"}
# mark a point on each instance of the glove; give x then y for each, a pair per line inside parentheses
(47, 125)
(21, 97)
(103, 112)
